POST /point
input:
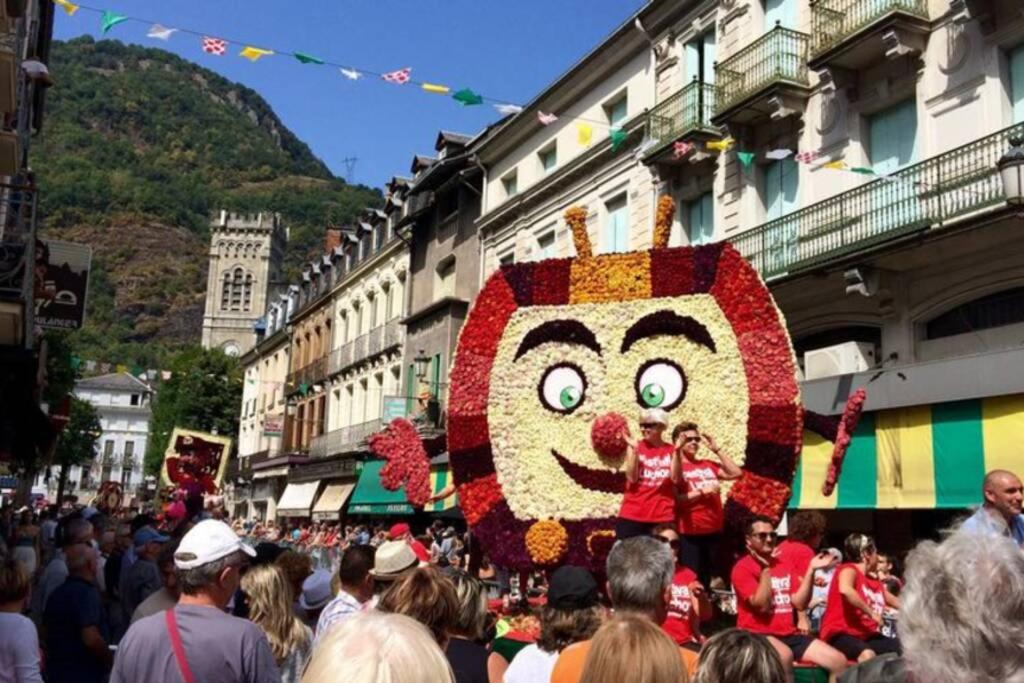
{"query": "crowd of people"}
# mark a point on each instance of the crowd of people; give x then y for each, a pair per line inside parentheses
(89, 597)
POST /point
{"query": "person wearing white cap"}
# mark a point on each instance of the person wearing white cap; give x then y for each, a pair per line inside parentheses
(197, 641)
(651, 465)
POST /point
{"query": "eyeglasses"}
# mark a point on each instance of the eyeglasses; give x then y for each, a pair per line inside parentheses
(765, 536)
(672, 542)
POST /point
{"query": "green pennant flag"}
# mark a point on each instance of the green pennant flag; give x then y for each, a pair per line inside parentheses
(863, 170)
(76, 362)
(746, 158)
(109, 20)
(304, 388)
(468, 97)
(618, 136)
(308, 59)
(137, 371)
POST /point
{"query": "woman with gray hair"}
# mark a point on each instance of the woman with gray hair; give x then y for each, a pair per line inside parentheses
(466, 655)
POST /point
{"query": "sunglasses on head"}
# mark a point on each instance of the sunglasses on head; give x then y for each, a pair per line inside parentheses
(765, 536)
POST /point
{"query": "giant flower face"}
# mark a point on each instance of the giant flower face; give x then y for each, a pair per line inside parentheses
(559, 369)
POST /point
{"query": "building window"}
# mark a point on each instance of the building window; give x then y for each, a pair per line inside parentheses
(546, 244)
(444, 280)
(779, 12)
(108, 449)
(616, 227)
(236, 291)
(135, 399)
(389, 302)
(995, 310)
(780, 188)
(700, 215)
(700, 59)
(1017, 83)
(129, 449)
(892, 137)
(508, 258)
(616, 110)
(510, 182)
(548, 157)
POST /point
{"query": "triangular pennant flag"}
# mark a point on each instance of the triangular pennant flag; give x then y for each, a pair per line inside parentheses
(351, 74)
(546, 119)
(584, 134)
(215, 46)
(109, 20)
(746, 158)
(721, 145)
(618, 136)
(399, 77)
(439, 89)
(304, 388)
(307, 59)
(646, 146)
(681, 149)
(68, 7)
(468, 97)
(253, 53)
(121, 368)
(76, 362)
(863, 170)
(778, 154)
(160, 32)
(506, 109)
(837, 165)
(808, 156)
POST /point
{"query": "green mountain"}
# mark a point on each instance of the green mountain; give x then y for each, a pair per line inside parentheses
(139, 148)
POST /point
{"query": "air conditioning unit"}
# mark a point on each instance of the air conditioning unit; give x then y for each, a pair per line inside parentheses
(841, 359)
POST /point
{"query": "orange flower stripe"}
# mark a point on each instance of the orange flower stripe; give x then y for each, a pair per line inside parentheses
(663, 221)
(576, 219)
(547, 541)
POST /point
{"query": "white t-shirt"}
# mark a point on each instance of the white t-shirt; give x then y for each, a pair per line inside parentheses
(531, 664)
(19, 650)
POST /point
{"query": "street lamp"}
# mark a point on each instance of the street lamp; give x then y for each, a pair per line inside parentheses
(1011, 170)
(422, 362)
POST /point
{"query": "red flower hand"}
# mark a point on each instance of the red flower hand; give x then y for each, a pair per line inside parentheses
(408, 464)
(847, 425)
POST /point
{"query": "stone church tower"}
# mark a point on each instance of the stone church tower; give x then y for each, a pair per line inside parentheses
(246, 256)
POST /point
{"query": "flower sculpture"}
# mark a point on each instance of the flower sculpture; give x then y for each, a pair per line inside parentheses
(408, 464)
(560, 352)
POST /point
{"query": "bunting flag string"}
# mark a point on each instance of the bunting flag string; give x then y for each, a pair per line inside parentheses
(467, 97)
(439, 89)
(618, 136)
(109, 20)
(254, 53)
(584, 134)
(67, 6)
(350, 74)
(546, 119)
(681, 149)
(160, 32)
(399, 77)
(508, 109)
(215, 46)
(307, 59)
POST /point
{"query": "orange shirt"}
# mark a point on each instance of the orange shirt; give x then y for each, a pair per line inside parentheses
(569, 667)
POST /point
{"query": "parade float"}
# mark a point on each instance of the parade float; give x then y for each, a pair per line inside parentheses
(556, 356)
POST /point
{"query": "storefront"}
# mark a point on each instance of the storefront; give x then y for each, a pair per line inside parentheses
(371, 498)
(332, 501)
(297, 499)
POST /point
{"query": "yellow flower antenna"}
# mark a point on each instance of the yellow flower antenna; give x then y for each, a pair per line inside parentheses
(576, 219)
(663, 221)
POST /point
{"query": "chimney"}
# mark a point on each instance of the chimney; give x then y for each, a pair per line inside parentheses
(332, 239)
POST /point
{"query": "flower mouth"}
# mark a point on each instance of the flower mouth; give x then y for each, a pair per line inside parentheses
(605, 481)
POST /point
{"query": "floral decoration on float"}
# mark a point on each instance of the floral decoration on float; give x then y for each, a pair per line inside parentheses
(557, 355)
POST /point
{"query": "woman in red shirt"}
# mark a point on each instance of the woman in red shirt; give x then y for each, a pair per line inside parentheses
(856, 601)
(688, 604)
(650, 495)
(701, 517)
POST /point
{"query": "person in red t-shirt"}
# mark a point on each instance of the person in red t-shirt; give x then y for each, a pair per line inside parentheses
(806, 532)
(688, 604)
(650, 494)
(856, 602)
(699, 508)
(768, 590)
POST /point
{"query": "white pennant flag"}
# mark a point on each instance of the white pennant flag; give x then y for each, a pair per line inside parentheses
(778, 154)
(351, 74)
(546, 119)
(160, 32)
(508, 108)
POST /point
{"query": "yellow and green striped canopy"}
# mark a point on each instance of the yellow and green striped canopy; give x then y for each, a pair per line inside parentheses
(440, 476)
(922, 457)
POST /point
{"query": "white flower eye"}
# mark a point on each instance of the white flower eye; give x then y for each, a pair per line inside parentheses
(562, 388)
(660, 384)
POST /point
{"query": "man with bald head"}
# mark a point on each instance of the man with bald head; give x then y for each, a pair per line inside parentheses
(1000, 513)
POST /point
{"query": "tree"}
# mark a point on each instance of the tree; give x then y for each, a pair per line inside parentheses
(204, 393)
(77, 443)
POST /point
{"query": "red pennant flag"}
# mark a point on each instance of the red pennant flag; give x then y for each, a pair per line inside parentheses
(400, 77)
(215, 46)
(681, 149)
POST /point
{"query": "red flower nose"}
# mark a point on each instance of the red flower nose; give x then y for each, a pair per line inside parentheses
(606, 435)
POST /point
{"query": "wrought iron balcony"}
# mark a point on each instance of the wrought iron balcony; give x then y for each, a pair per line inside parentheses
(778, 59)
(683, 112)
(944, 187)
(853, 33)
(308, 374)
(351, 439)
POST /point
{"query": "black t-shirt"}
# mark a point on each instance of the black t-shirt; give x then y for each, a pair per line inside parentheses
(468, 660)
(73, 606)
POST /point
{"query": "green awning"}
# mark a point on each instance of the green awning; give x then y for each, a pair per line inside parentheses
(371, 498)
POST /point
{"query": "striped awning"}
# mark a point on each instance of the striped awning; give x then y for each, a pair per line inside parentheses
(439, 479)
(921, 457)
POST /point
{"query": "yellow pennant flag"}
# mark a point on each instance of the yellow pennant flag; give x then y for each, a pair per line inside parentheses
(253, 53)
(584, 134)
(720, 145)
(838, 165)
(69, 7)
(439, 89)
(122, 368)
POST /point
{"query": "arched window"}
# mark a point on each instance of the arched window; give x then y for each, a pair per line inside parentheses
(995, 310)
(236, 290)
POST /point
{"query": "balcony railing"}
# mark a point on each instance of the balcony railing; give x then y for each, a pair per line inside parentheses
(341, 358)
(394, 333)
(779, 55)
(836, 20)
(689, 109)
(958, 182)
(359, 348)
(345, 440)
(308, 374)
(375, 341)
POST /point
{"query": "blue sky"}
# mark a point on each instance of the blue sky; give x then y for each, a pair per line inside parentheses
(503, 49)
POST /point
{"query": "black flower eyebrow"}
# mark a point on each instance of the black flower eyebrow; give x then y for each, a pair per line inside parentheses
(559, 331)
(668, 323)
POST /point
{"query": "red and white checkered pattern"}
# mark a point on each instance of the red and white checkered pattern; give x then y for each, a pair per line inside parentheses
(807, 157)
(215, 46)
(681, 149)
(400, 77)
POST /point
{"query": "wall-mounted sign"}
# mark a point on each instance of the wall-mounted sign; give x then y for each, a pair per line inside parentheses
(394, 408)
(61, 283)
(273, 425)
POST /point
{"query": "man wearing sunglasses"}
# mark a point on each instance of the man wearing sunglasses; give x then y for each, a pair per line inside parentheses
(768, 590)
(651, 462)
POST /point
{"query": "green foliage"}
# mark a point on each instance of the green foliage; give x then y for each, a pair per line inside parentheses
(62, 369)
(141, 137)
(203, 393)
(77, 443)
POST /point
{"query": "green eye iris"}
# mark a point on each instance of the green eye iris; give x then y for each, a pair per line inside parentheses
(570, 397)
(653, 395)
